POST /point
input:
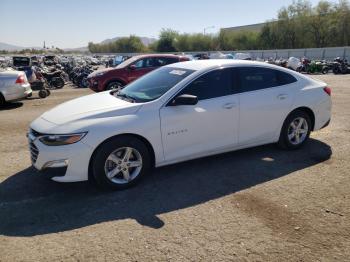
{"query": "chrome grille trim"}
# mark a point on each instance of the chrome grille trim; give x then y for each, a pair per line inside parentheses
(34, 151)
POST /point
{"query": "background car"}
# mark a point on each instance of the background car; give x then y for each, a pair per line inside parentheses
(13, 86)
(129, 70)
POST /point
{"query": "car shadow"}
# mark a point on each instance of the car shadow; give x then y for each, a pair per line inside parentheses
(32, 205)
(11, 106)
(34, 98)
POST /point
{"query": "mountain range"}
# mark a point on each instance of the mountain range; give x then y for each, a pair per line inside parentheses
(8, 47)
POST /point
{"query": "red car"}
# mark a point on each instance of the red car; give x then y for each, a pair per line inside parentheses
(129, 70)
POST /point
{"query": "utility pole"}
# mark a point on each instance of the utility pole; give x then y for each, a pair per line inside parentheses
(209, 27)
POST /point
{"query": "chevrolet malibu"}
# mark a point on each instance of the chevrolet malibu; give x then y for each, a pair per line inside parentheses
(177, 113)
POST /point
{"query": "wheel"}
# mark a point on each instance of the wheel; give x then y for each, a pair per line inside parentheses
(325, 70)
(43, 93)
(120, 163)
(2, 100)
(30, 95)
(114, 86)
(58, 83)
(295, 130)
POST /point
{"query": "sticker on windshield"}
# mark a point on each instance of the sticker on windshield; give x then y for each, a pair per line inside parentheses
(177, 72)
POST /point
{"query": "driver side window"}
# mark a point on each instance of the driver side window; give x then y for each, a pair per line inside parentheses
(139, 64)
(211, 85)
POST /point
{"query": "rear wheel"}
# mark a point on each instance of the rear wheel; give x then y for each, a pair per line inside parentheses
(58, 82)
(295, 131)
(2, 100)
(43, 93)
(120, 163)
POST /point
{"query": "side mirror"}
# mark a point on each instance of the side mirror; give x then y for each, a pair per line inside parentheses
(184, 100)
(132, 67)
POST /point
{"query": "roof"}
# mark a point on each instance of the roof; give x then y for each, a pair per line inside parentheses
(212, 63)
(157, 55)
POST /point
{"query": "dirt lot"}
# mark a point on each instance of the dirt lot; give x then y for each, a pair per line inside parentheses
(260, 204)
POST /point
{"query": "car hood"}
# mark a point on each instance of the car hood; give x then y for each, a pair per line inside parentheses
(104, 70)
(100, 105)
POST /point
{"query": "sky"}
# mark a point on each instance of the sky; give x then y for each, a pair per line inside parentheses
(74, 23)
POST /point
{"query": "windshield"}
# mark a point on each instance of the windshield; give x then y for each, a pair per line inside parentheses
(128, 62)
(154, 84)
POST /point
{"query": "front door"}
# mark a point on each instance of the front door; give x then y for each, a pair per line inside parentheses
(141, 67)
(209, 126)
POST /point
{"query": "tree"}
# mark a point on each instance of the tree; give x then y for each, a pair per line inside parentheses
(167, 40)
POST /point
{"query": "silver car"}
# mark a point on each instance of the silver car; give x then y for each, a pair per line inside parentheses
(14, 86)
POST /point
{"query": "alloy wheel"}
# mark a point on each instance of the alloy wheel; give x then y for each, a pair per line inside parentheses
(123, 165)
(298, 131)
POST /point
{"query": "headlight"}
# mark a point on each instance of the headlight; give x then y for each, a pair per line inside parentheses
(60, 140)
(100, 74)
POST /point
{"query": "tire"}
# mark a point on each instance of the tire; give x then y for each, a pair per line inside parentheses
(116, 148)
(288, 137)
(115, 85)
(2, 100)
(325, 70)
(58, 83)
(43, 94)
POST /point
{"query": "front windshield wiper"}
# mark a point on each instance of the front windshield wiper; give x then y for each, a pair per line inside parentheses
(126, 97)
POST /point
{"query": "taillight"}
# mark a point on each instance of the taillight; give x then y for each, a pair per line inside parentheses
(21, 79)
(328, 90)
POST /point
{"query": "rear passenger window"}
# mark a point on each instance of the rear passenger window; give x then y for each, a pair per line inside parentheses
(171, 60)
(285, 78)
(213, 84)
(256, 78)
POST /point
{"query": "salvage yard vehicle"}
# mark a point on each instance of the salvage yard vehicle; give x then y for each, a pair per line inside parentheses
(129, 70)
(14, 86)
(177, 113)
(312, 67)
(23, 63)
(340, 66)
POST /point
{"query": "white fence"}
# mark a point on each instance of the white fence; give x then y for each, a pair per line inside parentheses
(328, 53)
(313, 53)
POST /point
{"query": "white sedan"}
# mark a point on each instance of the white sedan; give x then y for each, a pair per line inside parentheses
(14, 86)
(177, 113)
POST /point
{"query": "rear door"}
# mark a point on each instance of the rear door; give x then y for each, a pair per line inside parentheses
(266, 96)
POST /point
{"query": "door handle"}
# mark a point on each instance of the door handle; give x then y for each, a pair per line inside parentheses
(229, 105)
(282, 96)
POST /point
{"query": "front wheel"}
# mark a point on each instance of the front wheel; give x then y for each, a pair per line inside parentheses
(120, 163)
(295, 131)
(115, 86)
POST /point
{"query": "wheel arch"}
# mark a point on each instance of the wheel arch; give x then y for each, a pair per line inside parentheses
(114, 80)
(141, 138)
(308, 111)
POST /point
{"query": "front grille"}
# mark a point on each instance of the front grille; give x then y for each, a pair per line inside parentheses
(34, 152)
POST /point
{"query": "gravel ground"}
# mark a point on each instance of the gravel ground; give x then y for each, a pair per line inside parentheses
(259, 204)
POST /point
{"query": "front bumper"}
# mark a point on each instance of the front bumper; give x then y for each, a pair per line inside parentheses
(73, 158)
(93, 84)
